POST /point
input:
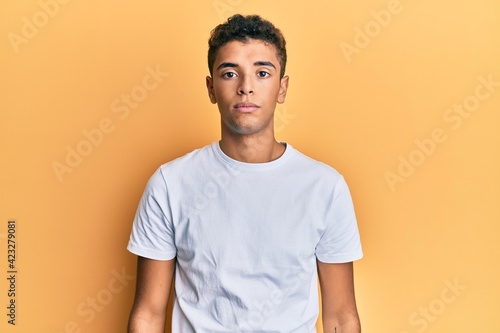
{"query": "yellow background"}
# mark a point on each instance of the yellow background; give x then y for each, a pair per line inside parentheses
(360, 112)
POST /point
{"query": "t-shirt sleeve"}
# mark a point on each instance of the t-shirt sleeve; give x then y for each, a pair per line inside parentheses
(152, 233)
(340, 241)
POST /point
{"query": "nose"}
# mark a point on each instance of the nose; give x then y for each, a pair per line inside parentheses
(246, 86)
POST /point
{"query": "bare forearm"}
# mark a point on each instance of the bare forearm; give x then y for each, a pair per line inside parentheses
(350, 326)
(339, 302)
(154, 280)
(143, 323)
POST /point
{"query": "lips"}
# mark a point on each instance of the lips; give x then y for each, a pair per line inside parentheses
(246, 107)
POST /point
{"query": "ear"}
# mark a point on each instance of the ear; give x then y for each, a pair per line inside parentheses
(283, 89)
(210, 89)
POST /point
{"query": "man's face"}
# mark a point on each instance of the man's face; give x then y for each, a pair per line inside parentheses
(246, 86)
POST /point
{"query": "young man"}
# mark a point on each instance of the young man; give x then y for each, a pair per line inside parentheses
(247, 224)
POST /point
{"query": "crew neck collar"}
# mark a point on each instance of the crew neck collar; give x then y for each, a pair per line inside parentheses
(252, 166)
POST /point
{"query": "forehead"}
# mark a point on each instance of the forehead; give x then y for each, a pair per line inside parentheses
(251, 50)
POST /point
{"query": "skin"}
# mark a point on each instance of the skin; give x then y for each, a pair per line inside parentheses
(246, 86)
(248, 73)
(154, 280)
(338, 301)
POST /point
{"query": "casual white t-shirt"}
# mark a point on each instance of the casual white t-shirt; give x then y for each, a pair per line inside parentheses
(246, 237)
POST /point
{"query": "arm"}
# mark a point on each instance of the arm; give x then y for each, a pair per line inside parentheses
(338, 301)
(154, 279)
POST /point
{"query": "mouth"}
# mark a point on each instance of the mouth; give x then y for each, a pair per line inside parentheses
(245, 107)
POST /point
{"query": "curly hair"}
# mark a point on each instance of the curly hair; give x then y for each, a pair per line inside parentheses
(242, 28)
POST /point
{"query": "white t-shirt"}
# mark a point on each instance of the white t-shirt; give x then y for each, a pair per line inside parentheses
(246, 237)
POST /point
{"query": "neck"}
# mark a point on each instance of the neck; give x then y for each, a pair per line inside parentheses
(256, 148)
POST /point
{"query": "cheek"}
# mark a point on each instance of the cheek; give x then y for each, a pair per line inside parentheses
(272, 93)
(224, 92)
(271, 87)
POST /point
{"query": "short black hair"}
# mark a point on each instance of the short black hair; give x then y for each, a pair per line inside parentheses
(242, 28)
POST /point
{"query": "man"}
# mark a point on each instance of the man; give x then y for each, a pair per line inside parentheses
(247, 224)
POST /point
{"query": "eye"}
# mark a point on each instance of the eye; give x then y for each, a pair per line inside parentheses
(229, 75)
(263, 74)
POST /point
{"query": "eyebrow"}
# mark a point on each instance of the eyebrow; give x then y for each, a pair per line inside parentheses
(257, 63)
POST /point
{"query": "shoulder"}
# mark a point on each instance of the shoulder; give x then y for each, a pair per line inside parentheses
(314, 168)
(181, 166)
(190, 157)
(189, 160)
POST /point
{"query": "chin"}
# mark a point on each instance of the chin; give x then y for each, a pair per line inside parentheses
(243, 131)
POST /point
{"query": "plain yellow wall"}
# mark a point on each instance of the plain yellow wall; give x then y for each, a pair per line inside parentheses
(402, 97)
